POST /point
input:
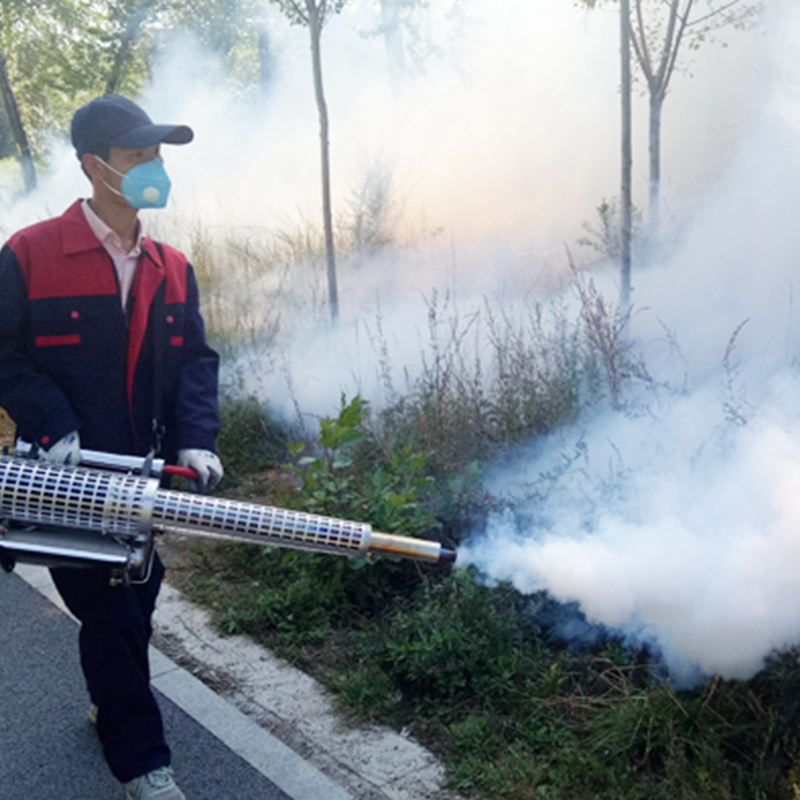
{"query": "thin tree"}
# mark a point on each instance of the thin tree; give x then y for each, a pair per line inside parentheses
(17, 128)
(659, 30)
(314, 14)
(129, 18)
(627, 158)
(12, 15)
(657, 44)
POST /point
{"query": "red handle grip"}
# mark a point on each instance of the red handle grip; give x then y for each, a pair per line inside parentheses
(184, 472)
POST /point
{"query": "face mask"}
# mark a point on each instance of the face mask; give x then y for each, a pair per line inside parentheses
(143, 186)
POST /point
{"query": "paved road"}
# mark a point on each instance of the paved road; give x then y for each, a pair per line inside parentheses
(48, 748)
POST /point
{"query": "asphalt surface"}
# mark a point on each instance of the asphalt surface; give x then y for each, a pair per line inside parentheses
(48, 748)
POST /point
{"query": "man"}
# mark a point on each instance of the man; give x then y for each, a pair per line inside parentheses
(102, 346)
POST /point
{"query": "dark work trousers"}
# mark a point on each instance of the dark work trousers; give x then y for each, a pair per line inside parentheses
(114, 636)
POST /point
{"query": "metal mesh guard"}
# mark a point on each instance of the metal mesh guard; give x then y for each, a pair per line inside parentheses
(261, 524)
(38, 493)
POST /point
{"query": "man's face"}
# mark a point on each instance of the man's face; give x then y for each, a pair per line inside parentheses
(120, 159)
(123, 158)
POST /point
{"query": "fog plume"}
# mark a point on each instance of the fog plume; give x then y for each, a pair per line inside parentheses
(677, 522)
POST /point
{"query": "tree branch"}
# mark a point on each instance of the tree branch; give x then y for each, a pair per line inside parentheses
(642, 53)
(714, 13)
(677, 44)
(299, 11)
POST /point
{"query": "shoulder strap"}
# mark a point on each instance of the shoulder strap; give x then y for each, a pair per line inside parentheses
(157, 310)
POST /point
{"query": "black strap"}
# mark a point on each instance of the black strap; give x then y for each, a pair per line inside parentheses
(157, 310)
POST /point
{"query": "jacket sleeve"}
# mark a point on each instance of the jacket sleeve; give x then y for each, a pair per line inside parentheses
(197, 399)
(35, 403)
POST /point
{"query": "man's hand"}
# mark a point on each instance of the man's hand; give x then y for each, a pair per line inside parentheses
(207, 466)
(66, 451)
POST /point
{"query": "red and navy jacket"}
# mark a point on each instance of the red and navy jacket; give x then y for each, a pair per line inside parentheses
(72, 359)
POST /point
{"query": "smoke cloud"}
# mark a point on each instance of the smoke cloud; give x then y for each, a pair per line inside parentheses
(678, 523)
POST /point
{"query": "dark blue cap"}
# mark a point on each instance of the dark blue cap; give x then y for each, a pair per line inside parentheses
(116, 121)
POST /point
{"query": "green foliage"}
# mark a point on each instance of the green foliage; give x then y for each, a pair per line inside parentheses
(302, 12)
(234, 30)
(518, 717)
(54, 59)
(62, 53)
(290, 598)
(249, 440)
(453, 643)
(346, 478)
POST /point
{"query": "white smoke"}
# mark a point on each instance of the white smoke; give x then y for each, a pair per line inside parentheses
(679, 524)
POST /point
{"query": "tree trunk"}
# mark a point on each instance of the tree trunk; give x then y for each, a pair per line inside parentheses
(393, 40)
(17, 128)
(654, 217)
(265, 61)
(315, 28)
(130, 33)
(627, 158)
(116, 69)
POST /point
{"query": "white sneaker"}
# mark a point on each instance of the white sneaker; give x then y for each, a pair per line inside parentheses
(156, 785)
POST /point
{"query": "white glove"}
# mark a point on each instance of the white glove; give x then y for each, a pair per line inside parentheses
(207, 466)
(66, 451)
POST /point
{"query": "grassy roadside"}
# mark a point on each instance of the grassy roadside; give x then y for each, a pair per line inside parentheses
(512, 711)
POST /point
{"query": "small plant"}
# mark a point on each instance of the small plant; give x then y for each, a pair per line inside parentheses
(605, 237)
(289, 598)
(371, 208)
(348, 477)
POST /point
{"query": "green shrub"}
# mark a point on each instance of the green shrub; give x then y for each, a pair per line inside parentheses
(250, 441)
(349, 477)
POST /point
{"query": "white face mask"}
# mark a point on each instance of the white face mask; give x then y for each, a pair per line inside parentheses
(143, 186)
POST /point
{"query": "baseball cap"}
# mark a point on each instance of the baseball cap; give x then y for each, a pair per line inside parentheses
(116, 121)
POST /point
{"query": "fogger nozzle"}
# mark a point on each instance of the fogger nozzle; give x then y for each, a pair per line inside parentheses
(128, 509)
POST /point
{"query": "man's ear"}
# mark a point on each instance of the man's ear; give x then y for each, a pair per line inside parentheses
(91, 166)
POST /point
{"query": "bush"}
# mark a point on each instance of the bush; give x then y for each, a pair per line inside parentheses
(249, 440)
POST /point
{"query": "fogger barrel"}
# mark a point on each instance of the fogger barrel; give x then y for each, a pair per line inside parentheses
(53, 514)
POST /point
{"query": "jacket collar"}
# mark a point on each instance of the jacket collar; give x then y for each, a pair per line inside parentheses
(78, 236)
(149, 247)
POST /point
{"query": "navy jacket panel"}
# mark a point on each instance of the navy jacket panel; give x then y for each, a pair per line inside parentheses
(28, 392)
(69, 358)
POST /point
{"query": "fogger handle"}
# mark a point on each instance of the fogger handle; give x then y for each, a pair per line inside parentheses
(138, 465)
(183, 472)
